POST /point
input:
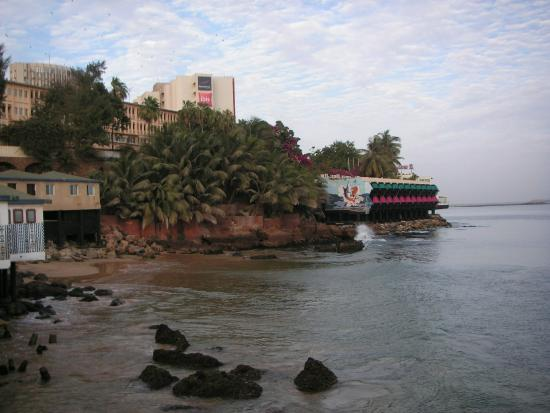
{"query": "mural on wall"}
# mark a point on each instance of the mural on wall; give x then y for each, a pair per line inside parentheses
(351, 194)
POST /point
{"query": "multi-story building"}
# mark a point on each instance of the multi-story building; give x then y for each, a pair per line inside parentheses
(217, 92)
(19, 99)
(73, 209)
(39, 74)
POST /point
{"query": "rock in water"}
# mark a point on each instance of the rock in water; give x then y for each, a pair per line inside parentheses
(115, 302)
(315, 377)
(44, 374)
(246, 372)
(88, 297)
(157, 378)
(76, 292)
(181, 359)
(349, 246)
(40, 349)
(217, 384)
(165, 335)
(103, 292)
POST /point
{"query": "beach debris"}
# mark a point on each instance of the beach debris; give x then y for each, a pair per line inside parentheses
(246, 372)
(165, 335)
(188, 360)
(3, 370)
(103, 292)
(40, 349)
(44, 374)
(88, 298)
(115, 302)
(23, 366)
(33, 339)
(52, 339)
(217, 384)
(156, 377)
(11, 365)
(315, 377)
(263, 257)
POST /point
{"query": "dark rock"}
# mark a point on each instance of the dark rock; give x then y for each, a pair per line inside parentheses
(59, 284)
(3, 370)
(16, 309)
(157, 378)
(154, 326)
(52, 339)
(263, 257)
(349, 246)
(60, 298)
(326, 248)
(88, 297)
(3, 314)
(178, 407)
(89, 288)
(32, 307)
(213, 251)
(40, 277)
(76, 292)
(38, 289)
(11, 365)
(315, 377)
(44, 374)
(165, 335)
(23, 366)
(187, 360)
(116, 302)
(6, 333)
(57, 320)
(33, 339)
(25, 274)
(103, 292)
(40, 349)
(246, 372)
(47, 310)
(217, 384)
(42, 316)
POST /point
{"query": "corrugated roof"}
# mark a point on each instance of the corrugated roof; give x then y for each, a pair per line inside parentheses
(55, 176)
(13, 196)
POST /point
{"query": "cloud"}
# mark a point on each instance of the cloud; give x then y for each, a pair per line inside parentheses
(465, 84)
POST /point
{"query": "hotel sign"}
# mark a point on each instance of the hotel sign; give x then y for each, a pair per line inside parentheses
(205, 98)
(204, 83)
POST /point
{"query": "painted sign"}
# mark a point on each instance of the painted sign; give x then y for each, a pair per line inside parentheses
(205, 98)
(350, 194)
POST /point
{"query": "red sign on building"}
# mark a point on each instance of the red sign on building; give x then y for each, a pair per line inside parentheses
(205, 98)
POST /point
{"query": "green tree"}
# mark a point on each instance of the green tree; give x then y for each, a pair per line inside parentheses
(119, 93)
(149, 111)
(4, 64)
(338, 155)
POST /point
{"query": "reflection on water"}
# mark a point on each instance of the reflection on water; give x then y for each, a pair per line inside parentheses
(456, 319)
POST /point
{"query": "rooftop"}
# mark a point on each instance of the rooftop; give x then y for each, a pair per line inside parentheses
(51, 176)
(12, 196)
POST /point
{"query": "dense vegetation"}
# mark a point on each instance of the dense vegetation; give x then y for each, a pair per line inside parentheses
(4, 64)
(70, 119)
(207, 159)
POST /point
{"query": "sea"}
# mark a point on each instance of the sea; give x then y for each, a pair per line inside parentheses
(447, 320)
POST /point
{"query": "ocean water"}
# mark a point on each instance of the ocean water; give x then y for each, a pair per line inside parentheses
(451, 320)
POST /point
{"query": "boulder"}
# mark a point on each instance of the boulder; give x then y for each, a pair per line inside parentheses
(39, 289)
(101, 292)
(76, 292)
(88, 298)
(315, 377)
(349, 246)
(157, 378)
(16, 309)
(165, 335)
(59, 284)
(44, 374)
(246, 372)
(88, 288)
(115, 302)
(217, 384)
(188, 360)
(40, 277)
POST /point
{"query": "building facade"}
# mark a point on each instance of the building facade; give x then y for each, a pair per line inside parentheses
(39, 74)
(19, 100)
(73, 209)
(216, 92)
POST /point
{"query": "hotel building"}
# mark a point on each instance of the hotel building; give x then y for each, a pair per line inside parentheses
(39, 74)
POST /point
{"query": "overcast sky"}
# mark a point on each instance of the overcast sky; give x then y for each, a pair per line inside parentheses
(465, 84)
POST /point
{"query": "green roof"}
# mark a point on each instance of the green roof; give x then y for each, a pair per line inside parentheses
(12, 196)
(52, 176)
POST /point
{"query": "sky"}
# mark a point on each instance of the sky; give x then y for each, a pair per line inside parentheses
(465, 84)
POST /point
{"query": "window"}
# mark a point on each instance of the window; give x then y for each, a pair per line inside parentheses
(73, 190)
(17, 216)
(31, 216)
(12, 185)
(31, 189)
(49, 189)
(90, 190)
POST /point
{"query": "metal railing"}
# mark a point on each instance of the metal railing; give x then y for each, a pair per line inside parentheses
(24, 238)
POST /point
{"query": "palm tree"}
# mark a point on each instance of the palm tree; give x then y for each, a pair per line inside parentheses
(149, 110)
(382, 157)
(119, 88)
(119, 92)
(4, 64)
